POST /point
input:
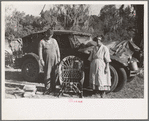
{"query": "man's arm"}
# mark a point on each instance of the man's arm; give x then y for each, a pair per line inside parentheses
(57, 50)
(40, 47)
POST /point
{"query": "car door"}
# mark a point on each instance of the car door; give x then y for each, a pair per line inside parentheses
(64, 45)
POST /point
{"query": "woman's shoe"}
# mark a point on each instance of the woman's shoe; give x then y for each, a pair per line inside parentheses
(103, 95)
(96, 94)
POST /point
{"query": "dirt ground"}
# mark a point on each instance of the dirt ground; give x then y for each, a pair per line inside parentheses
(14, 84)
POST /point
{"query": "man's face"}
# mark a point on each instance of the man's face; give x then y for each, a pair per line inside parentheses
(48, 35)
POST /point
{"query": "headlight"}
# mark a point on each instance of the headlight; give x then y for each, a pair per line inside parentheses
(133, 64)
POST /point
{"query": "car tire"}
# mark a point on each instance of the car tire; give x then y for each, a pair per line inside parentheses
(30, 69)
(122, 78)
(114, 78)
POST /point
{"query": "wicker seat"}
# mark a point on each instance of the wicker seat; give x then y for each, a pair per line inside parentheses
(71, 75)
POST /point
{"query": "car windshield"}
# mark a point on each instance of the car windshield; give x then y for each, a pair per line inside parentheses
(81, 39)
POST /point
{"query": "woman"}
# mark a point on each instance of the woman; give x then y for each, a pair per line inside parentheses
(49, 55)
(99, 68)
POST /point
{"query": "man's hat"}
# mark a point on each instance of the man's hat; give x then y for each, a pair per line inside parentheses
(49, 31)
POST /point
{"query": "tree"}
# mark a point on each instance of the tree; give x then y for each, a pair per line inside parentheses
(49, 18)
(95, 25)
(17, 24)
(68, 17)
(12, 25)
(119, 24)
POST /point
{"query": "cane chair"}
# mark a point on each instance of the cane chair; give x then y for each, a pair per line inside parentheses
(71, 76)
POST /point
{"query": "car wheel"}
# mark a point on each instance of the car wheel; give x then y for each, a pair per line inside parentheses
(122, 79)
(114, 78)
(30, 69)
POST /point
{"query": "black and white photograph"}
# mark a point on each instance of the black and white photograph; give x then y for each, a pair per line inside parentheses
(74, 54)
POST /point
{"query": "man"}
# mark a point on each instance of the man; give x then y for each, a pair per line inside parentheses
(49, 55)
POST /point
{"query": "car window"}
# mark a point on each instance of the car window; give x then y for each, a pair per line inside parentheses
(63, 40)
(79, 39)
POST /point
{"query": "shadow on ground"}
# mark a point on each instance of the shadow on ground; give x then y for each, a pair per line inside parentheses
(13, 75)
(17, 76)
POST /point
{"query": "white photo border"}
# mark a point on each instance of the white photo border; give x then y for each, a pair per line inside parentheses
(48, 109)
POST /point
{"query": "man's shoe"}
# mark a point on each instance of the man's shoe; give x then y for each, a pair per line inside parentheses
(88, 88)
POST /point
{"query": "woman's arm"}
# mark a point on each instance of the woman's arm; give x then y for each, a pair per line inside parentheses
(107, 59)
(106, 67)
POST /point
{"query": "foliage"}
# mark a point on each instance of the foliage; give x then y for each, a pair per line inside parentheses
(12, 24)
(68, 17)
(95, 25)
(119, 24)
(114, 23)
(74, 17)
(18, 24)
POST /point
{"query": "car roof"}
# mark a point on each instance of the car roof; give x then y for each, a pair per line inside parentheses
(66, 32)
(71, 32)
(59, 32)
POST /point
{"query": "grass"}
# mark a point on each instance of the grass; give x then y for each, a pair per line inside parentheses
(133, 89)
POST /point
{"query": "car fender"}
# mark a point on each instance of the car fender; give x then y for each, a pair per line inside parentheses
(34, 56)
(118, 60)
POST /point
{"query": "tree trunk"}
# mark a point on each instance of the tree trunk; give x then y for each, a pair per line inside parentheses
(139, 37)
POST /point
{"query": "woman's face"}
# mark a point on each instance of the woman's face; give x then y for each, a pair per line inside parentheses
(99, 40)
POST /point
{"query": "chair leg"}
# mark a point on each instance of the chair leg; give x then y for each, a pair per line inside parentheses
(59, 93)
(79, 90)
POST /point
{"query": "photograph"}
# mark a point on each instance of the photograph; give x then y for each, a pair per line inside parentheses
(74, 51)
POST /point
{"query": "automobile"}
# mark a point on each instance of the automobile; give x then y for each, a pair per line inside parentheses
(123, 67)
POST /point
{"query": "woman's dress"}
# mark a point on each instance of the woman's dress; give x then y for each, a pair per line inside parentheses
(99, 80)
